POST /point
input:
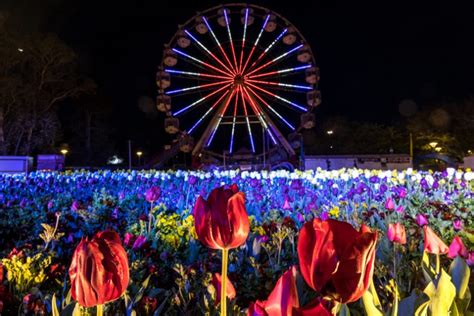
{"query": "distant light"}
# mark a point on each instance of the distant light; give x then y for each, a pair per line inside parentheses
(433, 144)
(331, 147)
(115, 160)
(438, 149)
(139, 153)
(330, 132)
(20, 50)
(64, 151)
(469, 152)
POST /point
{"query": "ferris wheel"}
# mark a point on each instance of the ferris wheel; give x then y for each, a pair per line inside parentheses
(234, 76)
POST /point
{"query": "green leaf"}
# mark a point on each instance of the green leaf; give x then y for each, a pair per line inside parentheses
(141, 291)
(415, 304)
(441, 295)
(370, 306)
(428, 272)
(460, 273)
(54, 306)
(344, 311)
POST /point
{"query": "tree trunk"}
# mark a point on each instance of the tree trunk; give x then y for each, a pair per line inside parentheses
(17, 147)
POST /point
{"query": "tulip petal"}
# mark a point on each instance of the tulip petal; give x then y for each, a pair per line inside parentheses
(284, 296)
(434, 244)
(238, 220)
(317, 253)
(356, 268)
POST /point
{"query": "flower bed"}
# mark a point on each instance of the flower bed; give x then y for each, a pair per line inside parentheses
(45, 216)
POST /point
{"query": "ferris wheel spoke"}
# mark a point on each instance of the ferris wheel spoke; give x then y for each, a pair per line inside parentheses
(258, 113)
(221, 115)
(256, 42)
(217, 42)
(207, 112)
(234, 119)
(271, 109)
(196, 74)
(275, 59)
(282, 71)
(230, 39)
(281, 84)
(201, 62)
(297, 106)
(268, 48)
(243, 40)
(247, 119)
(209, 52)
(198, 87)
(200, 100)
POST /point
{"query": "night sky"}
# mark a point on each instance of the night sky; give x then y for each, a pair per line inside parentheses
(370, 57)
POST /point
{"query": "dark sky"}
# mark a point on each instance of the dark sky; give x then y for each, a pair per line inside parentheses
(371, 57)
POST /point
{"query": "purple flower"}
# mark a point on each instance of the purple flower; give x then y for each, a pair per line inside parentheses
(75, 206)
(192, 180)
(121, 195)
(421, 220)
(139, 242)
(324, 216)
(50, 204)
(435, 184)
(457, 224)
(402, 192)
(400, 209)
(153, 194)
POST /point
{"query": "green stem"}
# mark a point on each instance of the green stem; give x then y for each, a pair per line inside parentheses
(437, 264)
(225, 255)
(150, 215)
(100, 310)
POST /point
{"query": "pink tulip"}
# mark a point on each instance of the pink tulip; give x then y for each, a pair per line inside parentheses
(389, 204)
(421, 220)
(396, 233)
(457, 248)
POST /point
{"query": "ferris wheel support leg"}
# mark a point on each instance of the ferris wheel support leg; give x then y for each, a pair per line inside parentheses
(201, 143)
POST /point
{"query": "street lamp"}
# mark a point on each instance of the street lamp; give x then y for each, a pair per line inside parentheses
(64, 151)
(433, 144)
(438, 149)
(139, 154)
(330, 132)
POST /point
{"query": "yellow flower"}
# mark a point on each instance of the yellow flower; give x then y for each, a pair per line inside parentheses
(334, 211)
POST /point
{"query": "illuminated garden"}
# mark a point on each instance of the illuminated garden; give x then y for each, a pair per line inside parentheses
(229, 191)
(291, 246)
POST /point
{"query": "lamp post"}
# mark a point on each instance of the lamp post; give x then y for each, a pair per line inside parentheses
(139, 154)
(64, 152)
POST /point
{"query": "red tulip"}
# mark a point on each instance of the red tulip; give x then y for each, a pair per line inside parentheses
(457, 248)
(281, 300)
(337, 260)
(222, 222)
(396, 233)
(99, 270)
(433, 244)
(217, 281)
(314, 308)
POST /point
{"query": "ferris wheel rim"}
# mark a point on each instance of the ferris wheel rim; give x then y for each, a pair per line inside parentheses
(250, 94)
